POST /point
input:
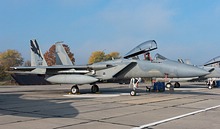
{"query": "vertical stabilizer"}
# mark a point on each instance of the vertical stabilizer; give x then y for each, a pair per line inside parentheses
(61, 56)
(37, 58)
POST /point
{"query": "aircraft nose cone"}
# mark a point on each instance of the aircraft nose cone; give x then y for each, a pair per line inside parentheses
(191, 71)
(201, 72)
(195, 71)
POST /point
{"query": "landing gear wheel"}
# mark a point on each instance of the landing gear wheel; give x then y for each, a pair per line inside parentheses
(168, 85)
(94, 89)
(177, 85)
(75, 89)
(133, 93)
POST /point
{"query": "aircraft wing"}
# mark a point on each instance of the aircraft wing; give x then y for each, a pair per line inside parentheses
(60, 69)
(79, 67)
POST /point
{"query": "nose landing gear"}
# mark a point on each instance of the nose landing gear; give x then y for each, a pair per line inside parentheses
(134, 82)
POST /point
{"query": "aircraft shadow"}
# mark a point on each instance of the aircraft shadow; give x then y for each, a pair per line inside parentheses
(144, 91)
(14, 104)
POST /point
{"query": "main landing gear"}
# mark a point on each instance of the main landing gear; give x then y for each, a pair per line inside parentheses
(75, 89)
(94, 88)
(134, 82)
(176, 85)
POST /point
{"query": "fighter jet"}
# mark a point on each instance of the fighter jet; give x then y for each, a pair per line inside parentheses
(129, 65)
(123, 68)
(214, 66)
(214, 74)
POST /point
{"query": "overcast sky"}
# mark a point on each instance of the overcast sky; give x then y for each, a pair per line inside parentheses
(188, 29)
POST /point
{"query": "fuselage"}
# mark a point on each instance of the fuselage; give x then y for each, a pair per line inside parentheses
(129, 68)
(213, 74)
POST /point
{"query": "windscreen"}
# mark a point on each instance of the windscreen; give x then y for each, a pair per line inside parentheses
(142, 48)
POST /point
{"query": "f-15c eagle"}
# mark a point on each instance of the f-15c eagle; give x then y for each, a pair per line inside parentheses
(124, 68)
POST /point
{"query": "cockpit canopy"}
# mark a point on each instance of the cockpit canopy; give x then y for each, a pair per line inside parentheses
(159, 57)
(213, 61)
(142, 48)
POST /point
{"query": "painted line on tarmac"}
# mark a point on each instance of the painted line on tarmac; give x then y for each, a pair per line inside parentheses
(177, 117)
(92, 95)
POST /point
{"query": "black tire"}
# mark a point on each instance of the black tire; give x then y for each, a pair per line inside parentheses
(177, 85)
(133, 93)
(75, 89)
(168, 85)
(94, 89)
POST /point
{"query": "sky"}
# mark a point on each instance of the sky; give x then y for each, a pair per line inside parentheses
(187, 29)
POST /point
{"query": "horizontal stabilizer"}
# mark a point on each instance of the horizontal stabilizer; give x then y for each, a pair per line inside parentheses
(23, 68)
(28, 70)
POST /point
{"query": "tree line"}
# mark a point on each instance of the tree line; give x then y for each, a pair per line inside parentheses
(8, 59)
(12, 58)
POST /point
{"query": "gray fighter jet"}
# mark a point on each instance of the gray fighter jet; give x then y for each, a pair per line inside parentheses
(214, 74)
(124, 68)
(140, 49)
(214, 68)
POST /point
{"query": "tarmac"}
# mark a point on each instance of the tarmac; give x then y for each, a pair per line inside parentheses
(192, 106)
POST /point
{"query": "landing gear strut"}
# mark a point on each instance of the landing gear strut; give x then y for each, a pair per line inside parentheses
(211, 83)
(177, 85)
(134, 82)
(75, 89)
